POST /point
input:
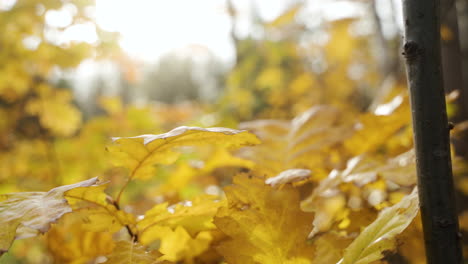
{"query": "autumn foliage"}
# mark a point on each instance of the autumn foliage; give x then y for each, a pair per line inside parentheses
(304, 176)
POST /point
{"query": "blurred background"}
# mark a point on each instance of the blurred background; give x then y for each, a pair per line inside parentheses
(74, 73)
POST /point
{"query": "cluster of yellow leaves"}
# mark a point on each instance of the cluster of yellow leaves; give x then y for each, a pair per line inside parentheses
(259, 221)
(184, 230)
(323, 138)
(54, 110)
(333, 185)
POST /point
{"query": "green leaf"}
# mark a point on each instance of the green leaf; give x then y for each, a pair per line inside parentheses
(380, 235)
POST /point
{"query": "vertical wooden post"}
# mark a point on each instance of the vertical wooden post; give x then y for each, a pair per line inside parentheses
(431, 131)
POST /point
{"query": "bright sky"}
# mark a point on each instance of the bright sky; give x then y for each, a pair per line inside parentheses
(150, 28)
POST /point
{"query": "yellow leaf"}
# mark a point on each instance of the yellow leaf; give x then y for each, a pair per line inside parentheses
(55, 111)
(373, 131)
(308, 141)
(264, 225)
(329, 248)
(380, 235)
(70, 241)
(103, 215)
(194, 216)
(140, 153)
(178, 245)
(30, 213)
(126, 252)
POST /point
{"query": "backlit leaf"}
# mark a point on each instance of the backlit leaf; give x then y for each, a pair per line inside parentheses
(380, 235)
(194, 216)
(288, 176)
(139, 154)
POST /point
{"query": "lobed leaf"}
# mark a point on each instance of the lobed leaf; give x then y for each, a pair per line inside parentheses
(380, 235)
(26, 214)
(308, 141)
(140, 153)
(101, 215)
(264, 224)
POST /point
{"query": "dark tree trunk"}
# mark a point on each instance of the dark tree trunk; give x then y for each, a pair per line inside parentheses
(431, 131)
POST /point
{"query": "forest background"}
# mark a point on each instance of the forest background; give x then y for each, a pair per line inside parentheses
(325, 174)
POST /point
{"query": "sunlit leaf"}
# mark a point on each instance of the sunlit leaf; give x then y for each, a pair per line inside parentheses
(288, 176)
(373, 131)
(265, 225)
(380, 235)
(31, 213)
(126, 252)
(101, 215)
(178, 244)
(139, 154)
(71, 240)
(194, 216)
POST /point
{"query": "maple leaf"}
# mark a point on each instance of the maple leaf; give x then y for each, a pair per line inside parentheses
(264, 225)
(126, 252)
(139, 154)
(29, 213)
(380, 235)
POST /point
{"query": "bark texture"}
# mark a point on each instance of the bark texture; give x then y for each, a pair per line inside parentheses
(431, 131)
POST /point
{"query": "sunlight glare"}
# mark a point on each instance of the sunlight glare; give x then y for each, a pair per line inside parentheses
(150, 28)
